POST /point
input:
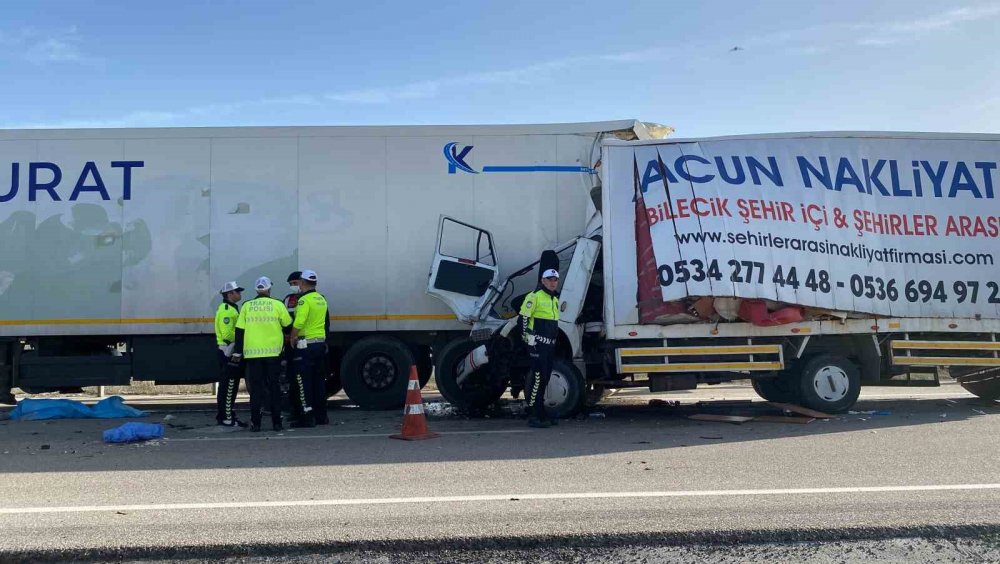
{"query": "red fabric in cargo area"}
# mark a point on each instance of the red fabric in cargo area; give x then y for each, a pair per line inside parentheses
(755, 311)
(652, 308)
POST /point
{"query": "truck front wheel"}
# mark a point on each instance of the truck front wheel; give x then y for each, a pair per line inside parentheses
(477, 391)
(566, 393)
(375, 371)
(829, 383)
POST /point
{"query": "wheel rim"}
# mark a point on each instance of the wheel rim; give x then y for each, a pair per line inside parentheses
(558, 390)
(378, 372)
(831, 383)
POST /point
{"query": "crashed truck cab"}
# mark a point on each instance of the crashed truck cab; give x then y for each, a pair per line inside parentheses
(473, 372)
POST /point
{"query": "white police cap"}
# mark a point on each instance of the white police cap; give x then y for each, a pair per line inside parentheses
(230, 287)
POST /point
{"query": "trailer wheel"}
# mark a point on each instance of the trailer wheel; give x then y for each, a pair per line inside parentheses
(829, 383)
(375, 371)
(477, 391)
(566, 393)
(982, 383)
(778, 390)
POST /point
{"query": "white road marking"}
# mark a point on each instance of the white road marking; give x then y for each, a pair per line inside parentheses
(488, 498)
(242, 437)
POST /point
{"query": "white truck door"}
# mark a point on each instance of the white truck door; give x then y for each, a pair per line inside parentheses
(464, 268)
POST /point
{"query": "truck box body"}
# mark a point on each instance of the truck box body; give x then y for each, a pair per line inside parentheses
(132, 231)
(876, 226)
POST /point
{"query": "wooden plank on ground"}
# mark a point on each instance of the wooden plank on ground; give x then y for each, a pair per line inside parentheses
(783, 419)
(800, 410)
(738, 419)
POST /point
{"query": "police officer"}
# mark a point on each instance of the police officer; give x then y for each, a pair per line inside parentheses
(296, 393)
(309, 331)
(540, 326)
(225, 337)
(259, 338)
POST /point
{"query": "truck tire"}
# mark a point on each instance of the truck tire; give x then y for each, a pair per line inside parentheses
(375, 372)
(478, 391)
(566, 393)
(778, 390)
(983, 383)
(829, 383)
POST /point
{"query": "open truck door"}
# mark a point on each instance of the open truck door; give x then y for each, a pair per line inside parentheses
(465, 272)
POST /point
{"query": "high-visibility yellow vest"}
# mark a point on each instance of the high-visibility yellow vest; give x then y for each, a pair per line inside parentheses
(261, 320)
(311, 314)
(225, 323)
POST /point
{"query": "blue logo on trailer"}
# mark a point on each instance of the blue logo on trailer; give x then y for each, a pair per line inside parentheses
(456, 162)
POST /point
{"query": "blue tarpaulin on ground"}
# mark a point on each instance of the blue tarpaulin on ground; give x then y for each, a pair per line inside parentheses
(39, 409)
(132, 432)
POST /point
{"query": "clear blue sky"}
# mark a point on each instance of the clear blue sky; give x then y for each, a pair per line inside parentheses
(892, 65)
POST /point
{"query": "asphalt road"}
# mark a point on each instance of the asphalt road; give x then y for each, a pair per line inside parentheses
(922, 463)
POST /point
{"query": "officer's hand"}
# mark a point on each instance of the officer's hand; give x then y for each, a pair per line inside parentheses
(234, 361)
(301, 344)
(529, 339)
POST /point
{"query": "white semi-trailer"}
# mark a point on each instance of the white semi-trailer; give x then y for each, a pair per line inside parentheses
(811, 263)
(114, 242)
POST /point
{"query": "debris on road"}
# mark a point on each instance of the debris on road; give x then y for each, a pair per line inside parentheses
(133, 432)
(737, 419)
(663, 403)
(440, 409)
(745, 411)
(800, 410)
(784, 419)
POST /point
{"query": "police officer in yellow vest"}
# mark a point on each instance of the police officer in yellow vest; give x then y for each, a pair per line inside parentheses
(259, 338)
(225, 337)
(539, 328)
(296, 393)
(309, 331)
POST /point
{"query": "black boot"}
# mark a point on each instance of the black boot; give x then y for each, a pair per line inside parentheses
(538, 423)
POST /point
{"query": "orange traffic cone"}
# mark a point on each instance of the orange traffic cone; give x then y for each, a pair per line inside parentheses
(414, 420)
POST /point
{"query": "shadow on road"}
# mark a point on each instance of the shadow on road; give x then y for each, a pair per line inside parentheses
(358, 437)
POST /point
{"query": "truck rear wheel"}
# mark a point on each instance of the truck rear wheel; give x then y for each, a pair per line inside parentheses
(982, 383)
(375, 371)
(477, 391)
(829, 383)
(778, 389)
(566, 393)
